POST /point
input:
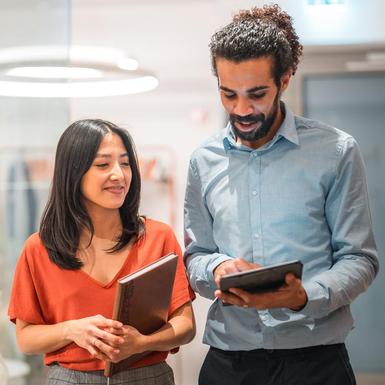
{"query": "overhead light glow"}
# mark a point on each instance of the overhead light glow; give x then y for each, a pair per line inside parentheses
(325, 2)
(79, 89)
(128, 64)
(60, 71)
(50, 72)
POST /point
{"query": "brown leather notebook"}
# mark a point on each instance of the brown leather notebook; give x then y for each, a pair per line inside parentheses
(142, 301)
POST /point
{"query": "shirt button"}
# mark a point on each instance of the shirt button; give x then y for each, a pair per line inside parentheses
(256, 236)
(254, 192)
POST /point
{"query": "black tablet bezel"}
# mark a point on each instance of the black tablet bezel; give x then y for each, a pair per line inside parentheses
(264, 279)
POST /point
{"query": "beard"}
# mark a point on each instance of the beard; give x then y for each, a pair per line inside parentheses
(263, 128)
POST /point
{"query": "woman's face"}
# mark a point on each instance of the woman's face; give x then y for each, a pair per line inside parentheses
(107, 181)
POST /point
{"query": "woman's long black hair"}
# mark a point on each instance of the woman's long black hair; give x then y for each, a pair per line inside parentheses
(65, 215)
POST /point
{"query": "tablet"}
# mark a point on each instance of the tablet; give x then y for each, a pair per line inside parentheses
(267, 278)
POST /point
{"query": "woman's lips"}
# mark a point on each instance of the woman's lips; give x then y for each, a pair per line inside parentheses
(115, 189)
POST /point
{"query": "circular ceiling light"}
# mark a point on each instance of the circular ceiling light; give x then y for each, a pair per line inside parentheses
(50, 72)
(60, 71)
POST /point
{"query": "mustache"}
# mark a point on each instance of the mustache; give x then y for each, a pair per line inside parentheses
(248, 118)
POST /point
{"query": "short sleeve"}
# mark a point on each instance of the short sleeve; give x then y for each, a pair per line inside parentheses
(24, 303)
(182, 292)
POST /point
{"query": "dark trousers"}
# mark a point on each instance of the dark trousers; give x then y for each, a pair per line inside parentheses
(316, 365)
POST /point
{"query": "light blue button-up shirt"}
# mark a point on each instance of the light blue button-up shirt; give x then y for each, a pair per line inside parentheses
(301, 196)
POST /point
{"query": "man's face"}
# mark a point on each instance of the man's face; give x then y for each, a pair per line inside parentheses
(251, 97)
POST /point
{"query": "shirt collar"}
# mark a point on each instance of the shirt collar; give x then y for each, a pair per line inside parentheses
(287, 130)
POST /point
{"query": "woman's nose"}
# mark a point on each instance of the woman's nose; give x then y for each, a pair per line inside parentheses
(116, 173)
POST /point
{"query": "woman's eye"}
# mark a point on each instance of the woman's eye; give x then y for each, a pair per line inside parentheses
(229, 96)
(125, 164)
(101, 165)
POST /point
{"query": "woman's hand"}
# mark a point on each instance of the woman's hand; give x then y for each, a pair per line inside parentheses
(133, 342)
(92, 334)
(97, 334)
(179, 330)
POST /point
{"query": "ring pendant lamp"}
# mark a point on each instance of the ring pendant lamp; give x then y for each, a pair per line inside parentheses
(70, 72)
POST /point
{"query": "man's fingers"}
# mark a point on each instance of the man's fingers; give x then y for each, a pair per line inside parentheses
(241, 294)
(229, 298)
(292, 280)
(226, 267)
(243, 265)
(232, 266)
(225, 270)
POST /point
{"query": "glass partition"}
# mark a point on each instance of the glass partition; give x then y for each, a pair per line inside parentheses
(355, 103)
(29, 128)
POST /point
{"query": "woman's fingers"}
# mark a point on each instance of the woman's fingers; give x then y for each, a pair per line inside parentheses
(108, 337)
(108, 351)
(97, 353)
(92, 333)
(116, 331)
(103, 322)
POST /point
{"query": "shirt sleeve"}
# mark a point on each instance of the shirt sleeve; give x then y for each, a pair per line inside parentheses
(355, 261)
(201, 255)
(182, 292)
(24, 303)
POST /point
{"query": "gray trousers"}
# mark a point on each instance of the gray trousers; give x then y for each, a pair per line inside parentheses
(158, 374)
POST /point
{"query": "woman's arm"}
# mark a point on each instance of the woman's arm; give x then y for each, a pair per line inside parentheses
(38, 339)
(179, 330)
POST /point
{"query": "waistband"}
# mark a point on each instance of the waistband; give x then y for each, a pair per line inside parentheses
(275, 353)
(154, 374)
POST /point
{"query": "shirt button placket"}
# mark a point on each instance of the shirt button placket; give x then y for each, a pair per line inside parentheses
(255, 205)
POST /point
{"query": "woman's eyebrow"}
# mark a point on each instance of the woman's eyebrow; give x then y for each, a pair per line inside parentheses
(101, 155)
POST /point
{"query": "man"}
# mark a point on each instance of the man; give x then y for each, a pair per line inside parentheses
(270, 188)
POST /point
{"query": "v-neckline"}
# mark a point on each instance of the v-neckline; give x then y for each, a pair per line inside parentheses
(132, 251)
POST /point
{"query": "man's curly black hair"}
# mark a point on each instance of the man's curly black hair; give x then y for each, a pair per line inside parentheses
(255, 33)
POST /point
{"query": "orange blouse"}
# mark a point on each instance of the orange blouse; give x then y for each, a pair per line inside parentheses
(45, 294)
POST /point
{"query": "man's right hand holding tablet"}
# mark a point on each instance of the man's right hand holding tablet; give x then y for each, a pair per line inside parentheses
(291, 295)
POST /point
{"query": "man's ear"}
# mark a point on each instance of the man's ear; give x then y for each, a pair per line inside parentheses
(285, 80)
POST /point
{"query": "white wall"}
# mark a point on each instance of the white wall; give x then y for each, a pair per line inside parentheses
(354, 22)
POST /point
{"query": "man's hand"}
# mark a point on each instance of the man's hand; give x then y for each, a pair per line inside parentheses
(232, 266)
(291, 295)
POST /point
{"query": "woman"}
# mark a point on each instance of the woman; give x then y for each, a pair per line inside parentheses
(90, 236)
